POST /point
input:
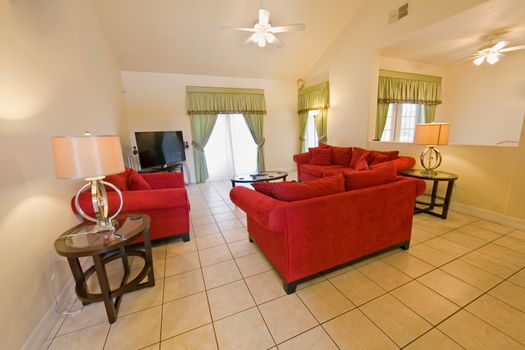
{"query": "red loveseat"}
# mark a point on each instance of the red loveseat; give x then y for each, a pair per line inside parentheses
(160, 195)
(305, 238)
(345, 159)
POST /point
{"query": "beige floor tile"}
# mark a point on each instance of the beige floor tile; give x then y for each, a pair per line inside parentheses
(501, 229)
(511, 294)
(472, 333)
(504, 254)
(235, 235)
(314, 339)
(265, 286)
(448, 247)
(518, 235)
(195, 214)
(395, 319)
(209, 229)
(450, 287)
(229, 299)
(180, 248)
(512, 243)
(490, 264)
(310, 282)
(504, 317)
(518, 278)
(230, 225)
(159, 251)
(357, 287)
(408, 264)
(286, 317)
(464, 239)
(434, 340)
(253, 264)
(220, 210)
(90, 338)
(185, 314)
(420, 235)
(324, 301)
(136, 330)
(437, 226)
(183, 284)
(215, 255)
(142, 299)
(224, 217)
(479, 232)
(425, 302)
(152, 347)
(467, 219)
(354, 331)
(242, 248)
(430, 255)
(245, 330)
(221, 273)
(471, 274)
(181, 263)
(203, 220)
(209, 241)
(384, 275)
(90, 315)
(202, 338)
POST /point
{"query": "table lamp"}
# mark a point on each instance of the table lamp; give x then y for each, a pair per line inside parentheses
(91, 158)
(431, 135)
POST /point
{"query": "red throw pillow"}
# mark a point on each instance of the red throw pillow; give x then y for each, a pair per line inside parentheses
(320, 156)
(362, 165)
(368, 178)
(357, 154)
(136, 182)
(390, 154)
(378, 158)
(341, 155)
(119, 180)
(264, 188)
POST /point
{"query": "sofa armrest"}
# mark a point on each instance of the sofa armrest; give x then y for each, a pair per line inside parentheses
(138, 201)
(401, 163)
(301, 158)
(421, 185)
(164, 180)
(267, 211)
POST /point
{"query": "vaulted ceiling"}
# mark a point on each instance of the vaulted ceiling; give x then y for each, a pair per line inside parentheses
(186, 36)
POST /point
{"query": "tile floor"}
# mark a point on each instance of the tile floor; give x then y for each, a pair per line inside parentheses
(461, 285)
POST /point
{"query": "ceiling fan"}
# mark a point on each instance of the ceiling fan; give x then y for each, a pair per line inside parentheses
(493, 53)
(263, 32)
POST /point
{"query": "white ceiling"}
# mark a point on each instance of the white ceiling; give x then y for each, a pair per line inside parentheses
(185, 36)
(459, 37)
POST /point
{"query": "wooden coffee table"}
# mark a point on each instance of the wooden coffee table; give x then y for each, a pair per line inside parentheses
(104, 247)
(260, 177)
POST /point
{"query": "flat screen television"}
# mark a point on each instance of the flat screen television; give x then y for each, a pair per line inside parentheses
(160, 148)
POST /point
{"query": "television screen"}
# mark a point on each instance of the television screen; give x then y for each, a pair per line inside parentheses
(160, 148)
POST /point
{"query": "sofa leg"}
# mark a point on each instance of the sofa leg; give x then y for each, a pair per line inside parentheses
(289, 288)
(250, 238)
(185, 237)
(405, 245)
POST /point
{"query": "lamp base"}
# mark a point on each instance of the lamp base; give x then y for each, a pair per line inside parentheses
(430, 159)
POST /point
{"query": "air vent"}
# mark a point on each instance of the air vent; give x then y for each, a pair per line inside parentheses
(398, 13)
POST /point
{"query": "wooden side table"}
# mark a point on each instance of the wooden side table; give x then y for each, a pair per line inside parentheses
(104, 247)
(436, 177)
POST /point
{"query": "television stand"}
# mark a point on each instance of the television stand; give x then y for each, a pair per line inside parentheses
(175, 167)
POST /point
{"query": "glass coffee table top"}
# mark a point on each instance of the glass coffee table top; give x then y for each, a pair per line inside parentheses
(424, 174)
(262, 176)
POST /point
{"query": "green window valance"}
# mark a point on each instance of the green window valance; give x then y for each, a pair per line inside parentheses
(400, 87)
(206, 100)
(314, 97)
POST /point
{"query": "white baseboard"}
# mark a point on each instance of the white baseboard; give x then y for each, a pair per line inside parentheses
(489, 215)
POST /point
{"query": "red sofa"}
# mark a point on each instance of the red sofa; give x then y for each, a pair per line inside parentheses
(307, 237)
(306, 171)
(164, 199)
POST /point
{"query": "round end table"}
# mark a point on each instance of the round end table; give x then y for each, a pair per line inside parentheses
(262, 176)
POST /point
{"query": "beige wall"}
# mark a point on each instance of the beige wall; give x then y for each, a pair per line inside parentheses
(157, 101)
(491, 178)
(58, 77)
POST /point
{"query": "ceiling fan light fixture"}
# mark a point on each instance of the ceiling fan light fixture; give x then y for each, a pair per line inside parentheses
(479, 60)
(492, 58)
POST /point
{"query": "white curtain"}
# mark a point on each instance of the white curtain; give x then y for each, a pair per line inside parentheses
(230, 150)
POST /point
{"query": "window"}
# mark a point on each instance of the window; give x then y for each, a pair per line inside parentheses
(230, 150)
(401, 121)
(311, 139)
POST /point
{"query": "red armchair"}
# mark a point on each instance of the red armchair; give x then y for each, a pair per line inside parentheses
(166, 203)
(305, 238)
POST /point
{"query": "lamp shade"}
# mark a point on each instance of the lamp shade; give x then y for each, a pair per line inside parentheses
(80, 157)
(431, 134)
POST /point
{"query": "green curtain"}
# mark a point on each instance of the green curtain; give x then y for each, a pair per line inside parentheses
(315, 97)
(203, 100)
(201, 128)
(401, 87)
(255, 124)
(303, 118)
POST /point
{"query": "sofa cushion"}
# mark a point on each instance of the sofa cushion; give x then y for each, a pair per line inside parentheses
(362, 164)
(317, 170)
(119, 180)
(378, 158)
(263, 187)
(320, 156)
(296, 191)
(330, 171)
(136, 182)
(357, 155)
(340, 155)
(390, 154)
(368, 178)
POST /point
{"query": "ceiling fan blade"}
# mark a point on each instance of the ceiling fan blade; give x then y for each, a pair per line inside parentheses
(514, 48)
(272, 39)
(243, 29)
(248, 41)
(499, 45)
(264, 16)
(288, 28)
